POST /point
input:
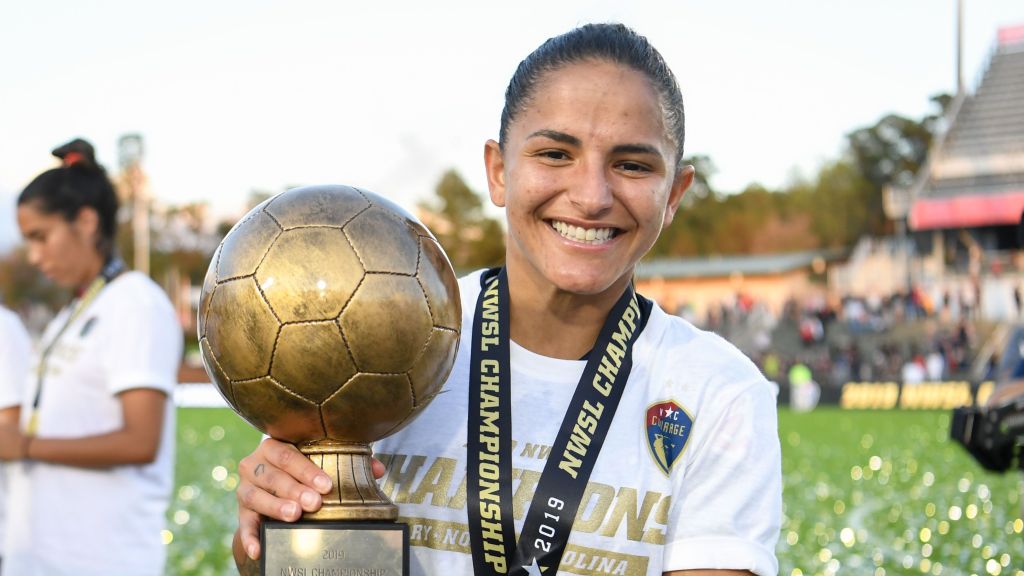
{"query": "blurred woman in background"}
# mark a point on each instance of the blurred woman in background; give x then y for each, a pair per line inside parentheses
(15, 348)
(94, 445)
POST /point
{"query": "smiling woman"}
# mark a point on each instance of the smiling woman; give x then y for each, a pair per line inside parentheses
(93, 442)
(591, 154)
(613, 437)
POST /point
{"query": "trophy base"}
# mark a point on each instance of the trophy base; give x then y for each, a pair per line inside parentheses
(334, 548)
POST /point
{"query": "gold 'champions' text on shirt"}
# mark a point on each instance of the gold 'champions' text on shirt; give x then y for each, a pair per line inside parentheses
(608, 510)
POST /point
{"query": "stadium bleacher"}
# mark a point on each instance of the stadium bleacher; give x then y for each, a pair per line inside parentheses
(975, 175)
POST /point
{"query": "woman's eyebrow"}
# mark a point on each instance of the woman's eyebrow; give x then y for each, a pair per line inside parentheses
(574, 141)
(636, 149)
(557, 137)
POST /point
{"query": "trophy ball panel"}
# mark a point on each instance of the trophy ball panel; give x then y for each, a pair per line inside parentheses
(276, 411)
(387, 204)
(431, 369)
(309, 274)
(245, 246)
(387, 323)
(368, 407)
(383, 243)
(216, 373)
(209, 285)
(312, 360)
(440, 285)
(241, 329)
(317, 206)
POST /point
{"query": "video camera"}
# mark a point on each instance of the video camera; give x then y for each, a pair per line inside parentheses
(993, 435)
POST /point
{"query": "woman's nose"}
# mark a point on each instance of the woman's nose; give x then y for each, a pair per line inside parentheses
(593, 192)
(35, 254)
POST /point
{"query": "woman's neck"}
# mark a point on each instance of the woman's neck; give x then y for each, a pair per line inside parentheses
(554, 323)
(91, 269)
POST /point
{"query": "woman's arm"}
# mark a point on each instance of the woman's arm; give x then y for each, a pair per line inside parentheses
(10, 415)
(136, 442)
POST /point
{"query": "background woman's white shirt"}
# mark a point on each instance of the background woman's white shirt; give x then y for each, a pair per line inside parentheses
(15, 351)
(92, 521)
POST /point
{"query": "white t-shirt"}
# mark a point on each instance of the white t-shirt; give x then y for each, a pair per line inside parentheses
(718, 506)
(86, 521)
(15, 349)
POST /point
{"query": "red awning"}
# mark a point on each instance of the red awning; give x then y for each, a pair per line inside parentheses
(967, 211)
(1011, 35)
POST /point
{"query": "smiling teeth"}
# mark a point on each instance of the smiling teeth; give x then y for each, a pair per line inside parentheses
(580, 234)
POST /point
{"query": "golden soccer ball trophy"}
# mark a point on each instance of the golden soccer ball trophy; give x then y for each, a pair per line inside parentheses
(329, 318)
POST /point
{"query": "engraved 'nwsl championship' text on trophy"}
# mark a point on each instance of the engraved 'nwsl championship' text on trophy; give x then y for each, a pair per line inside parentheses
(329, 318)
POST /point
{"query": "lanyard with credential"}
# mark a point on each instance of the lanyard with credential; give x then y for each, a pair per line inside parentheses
(564, 479)
(114, 267)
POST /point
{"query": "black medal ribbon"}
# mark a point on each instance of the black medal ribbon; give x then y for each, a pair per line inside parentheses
(489, 434)
(581, 435)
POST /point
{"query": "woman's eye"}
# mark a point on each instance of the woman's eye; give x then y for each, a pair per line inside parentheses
(634, 167)
(554, 155)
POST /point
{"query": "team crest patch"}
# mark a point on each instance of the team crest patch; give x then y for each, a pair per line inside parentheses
(668, 428)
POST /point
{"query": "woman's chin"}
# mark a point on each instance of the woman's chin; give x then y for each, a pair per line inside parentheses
(585, 283)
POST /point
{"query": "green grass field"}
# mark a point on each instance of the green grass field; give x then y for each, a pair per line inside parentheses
(875, 493)
(201, 518)
(887, 493)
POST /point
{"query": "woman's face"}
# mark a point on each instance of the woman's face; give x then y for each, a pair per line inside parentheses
(587, 177)
(63, 251)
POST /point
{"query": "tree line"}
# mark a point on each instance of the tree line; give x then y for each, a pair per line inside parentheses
(830, 209)
(833, 208)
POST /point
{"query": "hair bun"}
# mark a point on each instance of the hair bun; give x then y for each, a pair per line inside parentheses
(77, 151)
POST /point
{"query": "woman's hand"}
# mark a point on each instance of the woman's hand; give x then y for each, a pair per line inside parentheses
(279, 482)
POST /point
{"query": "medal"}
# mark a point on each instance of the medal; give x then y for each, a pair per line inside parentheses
(489, 444)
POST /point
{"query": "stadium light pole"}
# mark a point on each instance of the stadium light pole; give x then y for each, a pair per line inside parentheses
(896, 205)
(959, 47)
(130, 151)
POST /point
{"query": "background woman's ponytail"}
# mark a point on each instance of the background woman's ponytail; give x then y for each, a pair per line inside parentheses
(79, 153)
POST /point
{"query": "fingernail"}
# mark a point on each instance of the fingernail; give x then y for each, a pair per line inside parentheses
(253, 550)
(309, 499)
(322, 483)
(290, 510)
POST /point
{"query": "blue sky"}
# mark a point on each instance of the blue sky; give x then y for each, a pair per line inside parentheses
(232, 96)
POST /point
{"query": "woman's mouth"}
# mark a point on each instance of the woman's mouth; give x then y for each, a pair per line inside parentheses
(584, 235)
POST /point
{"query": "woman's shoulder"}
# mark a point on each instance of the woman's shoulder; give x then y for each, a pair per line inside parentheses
(9, 322)
(469, 290)
(680, 347)
(470, 282)
(134, 290)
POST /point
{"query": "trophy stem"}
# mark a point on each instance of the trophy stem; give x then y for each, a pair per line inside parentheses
(356, 495)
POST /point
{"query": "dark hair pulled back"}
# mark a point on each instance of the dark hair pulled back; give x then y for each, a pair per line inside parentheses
(79, 183)
(615, 43)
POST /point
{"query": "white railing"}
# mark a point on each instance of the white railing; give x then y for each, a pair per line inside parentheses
(205, 395)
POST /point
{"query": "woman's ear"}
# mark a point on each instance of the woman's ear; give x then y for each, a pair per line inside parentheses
(682, 182)
(87, 222)
(494, 163)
